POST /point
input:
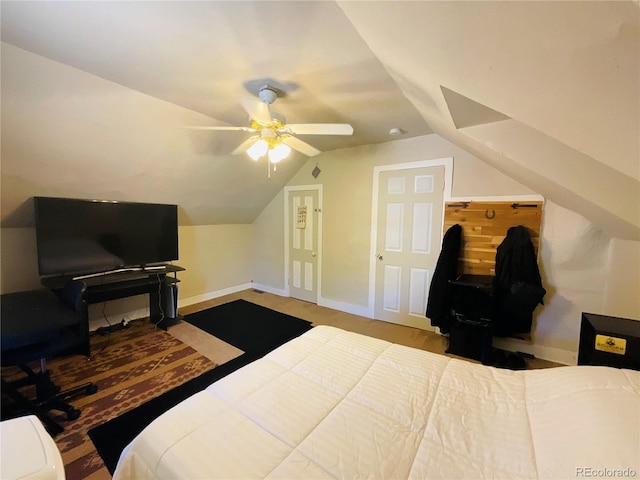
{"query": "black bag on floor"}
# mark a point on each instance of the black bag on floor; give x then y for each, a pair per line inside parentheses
(471, 339)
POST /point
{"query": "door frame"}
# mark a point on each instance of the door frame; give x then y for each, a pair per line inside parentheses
(447, 163)
(287, 227)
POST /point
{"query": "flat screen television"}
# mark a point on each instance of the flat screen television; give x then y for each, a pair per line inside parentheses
(88, 236)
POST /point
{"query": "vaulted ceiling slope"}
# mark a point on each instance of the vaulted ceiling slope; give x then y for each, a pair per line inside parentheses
(546, 92)
(94, 95)
(563, 78)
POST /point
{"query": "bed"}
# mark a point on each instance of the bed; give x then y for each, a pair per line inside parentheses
(336, 404)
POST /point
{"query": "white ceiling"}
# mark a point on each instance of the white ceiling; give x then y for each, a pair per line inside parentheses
(561, 76)
(204, 56)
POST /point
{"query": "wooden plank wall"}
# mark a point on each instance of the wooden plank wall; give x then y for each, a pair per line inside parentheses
(484, 226)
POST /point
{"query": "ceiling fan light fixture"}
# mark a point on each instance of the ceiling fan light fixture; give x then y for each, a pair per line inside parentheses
(273, 136)
(279, 152)
(258, 149)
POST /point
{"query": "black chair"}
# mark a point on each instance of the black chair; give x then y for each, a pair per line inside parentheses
(37, 325)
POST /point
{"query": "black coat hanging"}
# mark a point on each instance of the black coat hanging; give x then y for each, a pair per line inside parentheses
(517, 286)
(446, 269)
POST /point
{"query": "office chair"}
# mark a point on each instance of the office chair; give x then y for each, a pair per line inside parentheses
(37, 325)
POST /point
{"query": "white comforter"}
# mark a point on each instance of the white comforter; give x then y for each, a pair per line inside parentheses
(335, 404)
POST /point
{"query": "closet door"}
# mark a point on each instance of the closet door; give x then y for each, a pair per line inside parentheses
(303, 244)
(410, 209)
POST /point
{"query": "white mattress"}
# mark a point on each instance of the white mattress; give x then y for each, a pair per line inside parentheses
(335, 404)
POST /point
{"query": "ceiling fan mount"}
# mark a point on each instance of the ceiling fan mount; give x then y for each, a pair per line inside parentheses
(267, 95)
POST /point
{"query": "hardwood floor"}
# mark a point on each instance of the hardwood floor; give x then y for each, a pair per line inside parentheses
(412, 337)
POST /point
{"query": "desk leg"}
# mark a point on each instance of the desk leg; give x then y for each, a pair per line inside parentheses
(84, 325)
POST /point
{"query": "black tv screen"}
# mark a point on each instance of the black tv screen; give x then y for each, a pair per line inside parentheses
(87, 236)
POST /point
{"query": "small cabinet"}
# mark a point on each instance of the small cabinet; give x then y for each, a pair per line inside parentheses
(609, 341)
(471, 306)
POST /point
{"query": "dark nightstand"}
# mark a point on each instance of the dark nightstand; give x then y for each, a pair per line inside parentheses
(609, 341)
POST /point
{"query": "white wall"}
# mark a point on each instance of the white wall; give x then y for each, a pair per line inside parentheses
(216, 258)
(583, 268)
(347, 179)
(267, 246)
(622, 291)
(18, 260)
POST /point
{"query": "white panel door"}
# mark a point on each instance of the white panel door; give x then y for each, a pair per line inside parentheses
(410, 209)
(303, 245)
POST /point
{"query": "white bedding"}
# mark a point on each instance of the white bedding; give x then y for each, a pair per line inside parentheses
(335, 404)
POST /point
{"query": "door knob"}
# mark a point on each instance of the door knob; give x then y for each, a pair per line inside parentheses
(313, 254)
(379, 256)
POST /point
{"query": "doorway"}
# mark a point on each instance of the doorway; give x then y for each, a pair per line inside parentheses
(303, 252)
(408, 220)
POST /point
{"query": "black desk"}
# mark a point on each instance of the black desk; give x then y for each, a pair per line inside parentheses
(155, 282)
(35, 320)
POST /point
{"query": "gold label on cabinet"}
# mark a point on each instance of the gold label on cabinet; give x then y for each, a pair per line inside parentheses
(605, 343)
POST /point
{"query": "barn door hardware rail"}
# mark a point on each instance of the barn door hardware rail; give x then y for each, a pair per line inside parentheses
(458, 205)
(525, 205)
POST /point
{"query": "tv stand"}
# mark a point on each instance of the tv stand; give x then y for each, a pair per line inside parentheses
(159, 282)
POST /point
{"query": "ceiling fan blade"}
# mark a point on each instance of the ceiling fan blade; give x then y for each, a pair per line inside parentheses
(241, 129)
(245, 145)
(300, 146)
(257, 110)
(321, 128)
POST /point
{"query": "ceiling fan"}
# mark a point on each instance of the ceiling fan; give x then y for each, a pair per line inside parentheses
(273, 136)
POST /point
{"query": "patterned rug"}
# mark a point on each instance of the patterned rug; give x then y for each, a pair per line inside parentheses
(249, 327)
(129, 367)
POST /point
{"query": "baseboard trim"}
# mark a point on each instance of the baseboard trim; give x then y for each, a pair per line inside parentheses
(265, 288)
(557, 355)
(345, 307)
(184, 302)
(96, 323)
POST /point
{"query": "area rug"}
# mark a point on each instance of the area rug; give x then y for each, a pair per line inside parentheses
(129, 367)
(252, 328)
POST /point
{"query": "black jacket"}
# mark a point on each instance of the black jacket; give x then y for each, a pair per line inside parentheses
(517, 286)
(446, 269)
